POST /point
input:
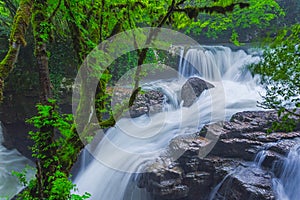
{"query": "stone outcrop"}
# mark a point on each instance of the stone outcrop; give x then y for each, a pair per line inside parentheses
(147, 103)
(192, 89)
(227, 170)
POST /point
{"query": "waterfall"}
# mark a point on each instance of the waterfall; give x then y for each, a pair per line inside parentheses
(288, 184)
(11, 160)
(212, 63)
(128, 146)
(214, 192)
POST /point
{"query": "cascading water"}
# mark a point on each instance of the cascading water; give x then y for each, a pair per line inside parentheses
(287, 186)
(127, 147)
(212, 62)
(11, 160)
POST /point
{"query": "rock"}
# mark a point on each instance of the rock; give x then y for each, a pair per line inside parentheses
(245, 135)
(192, 89)
(166, 181)
(16, 137)
(187, 146)
(227, 164)
(148, 103)
(249, 183)
(283, 146)
(270, 158)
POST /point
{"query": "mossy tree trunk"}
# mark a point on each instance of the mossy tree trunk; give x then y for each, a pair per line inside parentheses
(16, 40)
(41, 31)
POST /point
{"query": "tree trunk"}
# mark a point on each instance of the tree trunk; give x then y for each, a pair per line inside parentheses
(17, 38)
(41, 30)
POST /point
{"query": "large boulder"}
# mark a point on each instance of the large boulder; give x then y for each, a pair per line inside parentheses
(225, 173)
(192, 89)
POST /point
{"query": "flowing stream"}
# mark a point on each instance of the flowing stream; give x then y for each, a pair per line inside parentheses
(128, 146)
(11, 160)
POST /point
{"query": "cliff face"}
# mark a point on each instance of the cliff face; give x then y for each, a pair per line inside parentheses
(228, 165)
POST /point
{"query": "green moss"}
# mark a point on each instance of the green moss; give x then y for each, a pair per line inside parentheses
(21, 22)
(17, 38)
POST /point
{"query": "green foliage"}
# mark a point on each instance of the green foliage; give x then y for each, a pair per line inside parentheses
(6, 18)
(48, 115)
(280, 73)
(122, 65)
(128, 61)
(22, 176)
(258, 15)
(60, 189)
(59, 186)
(62, 66)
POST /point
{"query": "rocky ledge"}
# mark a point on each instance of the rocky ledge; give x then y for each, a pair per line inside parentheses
(222, 161)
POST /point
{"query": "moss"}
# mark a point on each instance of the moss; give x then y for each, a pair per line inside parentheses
(17, 38)
(108, 123)
(21, 22)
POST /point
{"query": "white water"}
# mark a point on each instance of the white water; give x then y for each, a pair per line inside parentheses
(128, 146)
(287, 186)
(219, 185)
(10, 160)
(214, 63)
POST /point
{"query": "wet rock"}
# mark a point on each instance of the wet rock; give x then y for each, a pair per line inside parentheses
(230, 161)
(148, 103)
(16, 136)
(187, 146)
(249, 183)
(270, 158)
(283, 146)
(164, 181)
(199, 183)
(192, 89)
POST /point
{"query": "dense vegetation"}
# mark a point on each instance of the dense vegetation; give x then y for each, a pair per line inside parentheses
(280, 73)
(85, 24)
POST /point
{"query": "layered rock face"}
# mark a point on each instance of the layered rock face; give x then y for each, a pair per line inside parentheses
(217, 162)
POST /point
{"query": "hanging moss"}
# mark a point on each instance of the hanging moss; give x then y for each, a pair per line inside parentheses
(17, 38)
